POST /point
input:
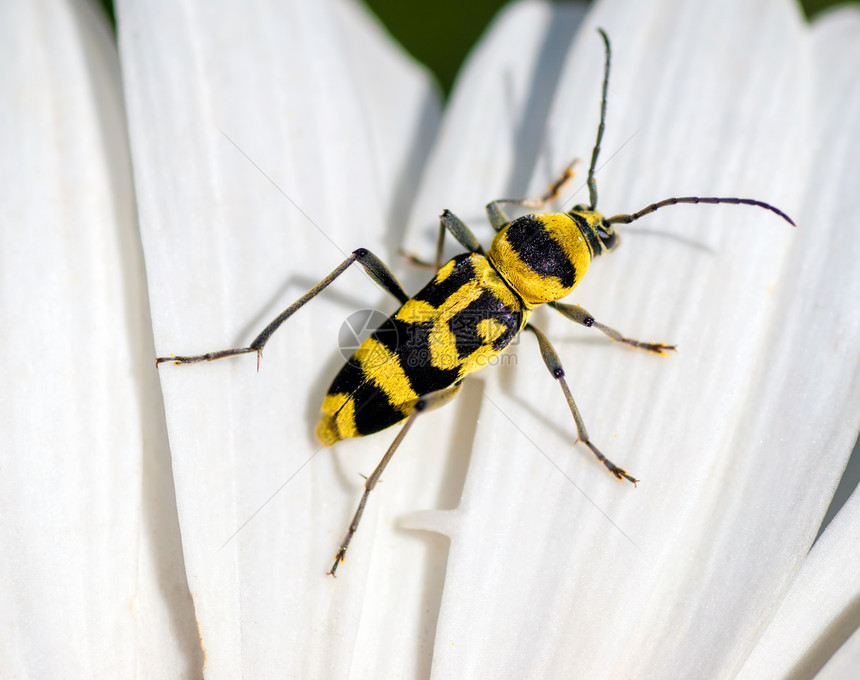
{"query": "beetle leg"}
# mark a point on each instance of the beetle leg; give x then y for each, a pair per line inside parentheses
(583, 318)
(423, 404)
(553, 364)
(373, 266)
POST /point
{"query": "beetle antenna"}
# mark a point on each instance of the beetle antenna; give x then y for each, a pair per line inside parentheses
(592, 185)
(627, 219)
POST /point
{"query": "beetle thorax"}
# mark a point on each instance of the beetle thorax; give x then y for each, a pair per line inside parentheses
(542, 257)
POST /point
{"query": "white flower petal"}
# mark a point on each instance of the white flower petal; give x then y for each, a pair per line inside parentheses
(844, 663)
(492, 129)
(737, 452)
(814, 619)
(261, 512)
(92, 576)
(399, 106)
(718, 100)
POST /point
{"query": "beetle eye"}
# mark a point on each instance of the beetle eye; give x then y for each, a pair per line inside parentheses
(607, 237)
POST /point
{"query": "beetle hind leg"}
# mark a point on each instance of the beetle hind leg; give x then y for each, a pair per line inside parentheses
(424, 403)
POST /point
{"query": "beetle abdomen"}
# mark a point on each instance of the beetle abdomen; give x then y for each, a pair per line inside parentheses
(457, 324)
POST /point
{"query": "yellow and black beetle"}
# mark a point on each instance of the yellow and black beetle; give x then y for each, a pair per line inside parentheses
(468, 314)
